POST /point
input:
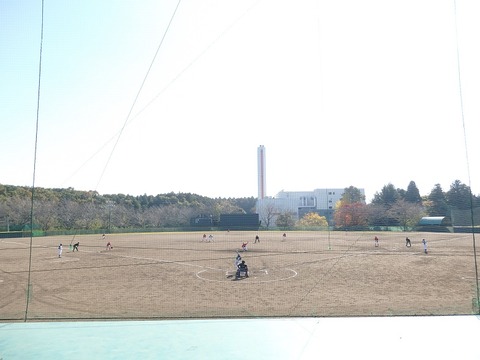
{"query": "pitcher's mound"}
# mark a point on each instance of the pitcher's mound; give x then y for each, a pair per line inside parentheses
(255, 275)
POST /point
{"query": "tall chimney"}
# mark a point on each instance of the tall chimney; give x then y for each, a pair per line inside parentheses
(262, 187)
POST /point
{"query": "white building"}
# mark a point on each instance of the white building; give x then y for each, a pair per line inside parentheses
(297, 203)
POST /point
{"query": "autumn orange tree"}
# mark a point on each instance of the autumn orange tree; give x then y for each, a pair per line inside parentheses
(347, 215)
(351, 209)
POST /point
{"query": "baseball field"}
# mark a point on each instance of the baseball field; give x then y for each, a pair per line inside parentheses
(183, 275)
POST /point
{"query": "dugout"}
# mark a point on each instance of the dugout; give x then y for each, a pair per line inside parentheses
(435, 224)
(239, 222)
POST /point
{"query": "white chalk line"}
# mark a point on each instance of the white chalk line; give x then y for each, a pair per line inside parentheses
(155, 260)
(204, 268)
(250, 280)
(17, 243)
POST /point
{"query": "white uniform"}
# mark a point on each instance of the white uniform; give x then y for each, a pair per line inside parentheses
(424, 246)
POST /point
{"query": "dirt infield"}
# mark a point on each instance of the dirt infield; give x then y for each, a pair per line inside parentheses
(178, 275)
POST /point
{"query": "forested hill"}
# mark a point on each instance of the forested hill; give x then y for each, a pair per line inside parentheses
(70, 208)
(137, 202)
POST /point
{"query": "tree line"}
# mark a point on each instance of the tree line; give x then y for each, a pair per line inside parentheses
(67, 209)
(392, 207)
(406, 207)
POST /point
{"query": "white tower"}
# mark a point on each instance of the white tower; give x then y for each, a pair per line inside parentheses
(262, 187)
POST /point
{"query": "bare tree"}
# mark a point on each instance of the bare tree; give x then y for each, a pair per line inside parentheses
(139, 219)
(176, 216)
(89, 217)
(45, 214)
(19, 210)
(68, 212)
(120, 216)
(406, 213)
(268, 214)
(377, 215)
(153, 217)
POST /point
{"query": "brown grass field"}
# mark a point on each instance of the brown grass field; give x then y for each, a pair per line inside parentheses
(176, 275)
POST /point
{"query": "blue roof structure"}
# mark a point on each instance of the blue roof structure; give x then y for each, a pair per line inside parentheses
(435, 220)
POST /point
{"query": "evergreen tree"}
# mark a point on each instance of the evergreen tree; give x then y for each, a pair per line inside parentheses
(437, 202)
(387, 196)
(352, 195)
(459, 196)
(285, 220)
(413, 195)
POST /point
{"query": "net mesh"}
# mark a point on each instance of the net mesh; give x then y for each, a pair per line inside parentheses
(179, 275)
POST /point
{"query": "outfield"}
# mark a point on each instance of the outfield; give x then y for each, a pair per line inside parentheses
(177, 275)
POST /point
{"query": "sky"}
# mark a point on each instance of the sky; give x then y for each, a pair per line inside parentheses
(150, 98)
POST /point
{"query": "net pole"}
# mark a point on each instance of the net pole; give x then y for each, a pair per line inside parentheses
(467, 159)
(29, 284)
